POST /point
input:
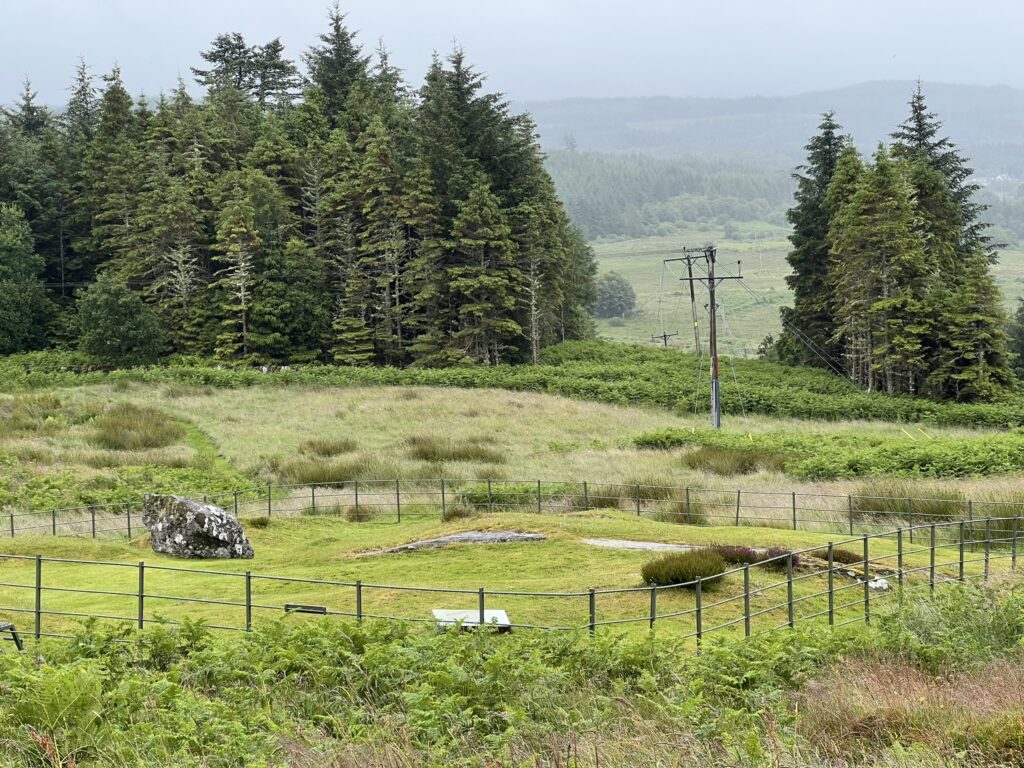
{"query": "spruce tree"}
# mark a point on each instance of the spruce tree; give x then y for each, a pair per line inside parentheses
(237, 242)
(336, 65)
(26, 310)
(882, 280)
(485, 283)
(812, 311)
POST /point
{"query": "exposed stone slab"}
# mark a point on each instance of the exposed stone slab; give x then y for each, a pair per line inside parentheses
(193, 529)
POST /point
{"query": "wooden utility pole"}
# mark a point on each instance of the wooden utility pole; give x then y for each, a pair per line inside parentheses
(664, 336)
(707, 255)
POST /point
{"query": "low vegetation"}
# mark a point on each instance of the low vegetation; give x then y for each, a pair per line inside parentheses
(932, 684)
(684, 568)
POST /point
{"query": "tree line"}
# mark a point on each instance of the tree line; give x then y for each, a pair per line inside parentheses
(333, 214)
(891, 266)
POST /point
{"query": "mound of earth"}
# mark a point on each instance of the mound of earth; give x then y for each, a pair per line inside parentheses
(467, 537)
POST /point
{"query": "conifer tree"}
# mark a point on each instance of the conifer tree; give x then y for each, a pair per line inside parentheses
(485, 282)
(336, 65)
(26, 310)
(237, 242)
(809, 258)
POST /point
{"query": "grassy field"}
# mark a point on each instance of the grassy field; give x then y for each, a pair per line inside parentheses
(663, 302)
(331, 549)
(212, 440)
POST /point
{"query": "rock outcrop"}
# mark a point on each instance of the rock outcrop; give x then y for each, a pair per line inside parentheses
(188, 528)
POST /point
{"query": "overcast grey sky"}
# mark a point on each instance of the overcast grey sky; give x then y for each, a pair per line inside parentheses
(543, 49)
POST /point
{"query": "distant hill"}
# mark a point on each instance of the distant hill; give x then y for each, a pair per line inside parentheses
(638, 167)
(988, 122)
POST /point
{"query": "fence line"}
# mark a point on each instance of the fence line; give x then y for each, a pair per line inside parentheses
(399, 499)
(772, 594)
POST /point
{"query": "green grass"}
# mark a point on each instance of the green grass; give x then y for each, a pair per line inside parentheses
(335, 549)
(663, 302)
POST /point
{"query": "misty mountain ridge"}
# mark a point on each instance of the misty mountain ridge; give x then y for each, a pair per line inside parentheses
(986, 121)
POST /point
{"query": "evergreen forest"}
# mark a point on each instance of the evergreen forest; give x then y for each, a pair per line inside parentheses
(891, 266)
(321, 210)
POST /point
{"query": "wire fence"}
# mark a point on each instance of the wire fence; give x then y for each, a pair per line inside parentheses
(836, 584)
(395, 500)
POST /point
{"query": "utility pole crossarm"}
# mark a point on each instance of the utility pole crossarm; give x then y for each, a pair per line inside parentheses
(711, 281)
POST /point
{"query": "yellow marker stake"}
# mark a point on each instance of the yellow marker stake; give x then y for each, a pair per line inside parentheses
(924, 433)
(908, 434)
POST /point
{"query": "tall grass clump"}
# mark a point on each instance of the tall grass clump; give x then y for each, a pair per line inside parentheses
(440, 449)
(323, 447)
(734, 461)
(362, 514)
(683, 513)
(127, 427)
(683, 568)
(894, 498)
(325, 470)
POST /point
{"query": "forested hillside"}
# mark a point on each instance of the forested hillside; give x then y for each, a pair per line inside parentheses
(325, 213)
(680, 158)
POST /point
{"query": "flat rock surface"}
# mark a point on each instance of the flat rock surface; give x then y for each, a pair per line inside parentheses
(469, 537)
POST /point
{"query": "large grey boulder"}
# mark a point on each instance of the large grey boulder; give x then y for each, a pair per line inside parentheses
(189, 528)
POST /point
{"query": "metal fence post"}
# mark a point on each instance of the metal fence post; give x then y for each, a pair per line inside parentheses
(142, 594)
(931, 560)
(849, 505)
(39, 597)
(248, 601)
(490, 497)
(910, 511)
(398, 499)
(128, 518)
(482, 620)
(831, 585)
(688, 517)
(654, 604)
(359, 601)
(867, 582)
(988, 543)
(53, 521)
(12, 525)
(794, 510)
(94, 522)
(593, 610)
(789, 590)
(444, 508)
(356, 486)
(961, 572)
(638, 499)
(737, 506)
(270, 503)
(700, 612)
(312, 497)
(236, 503)
(586, 496)
(746, 599)
(1013, 544)
(970, 518)
(899, 556)
(538, 497)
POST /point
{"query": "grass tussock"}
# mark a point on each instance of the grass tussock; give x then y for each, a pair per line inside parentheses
(733, 461)
(362, 514)
(324, 470)
(256, 522)
(127, 427)
(683, 513)
(325, 447)
(892, 497)
(437, 449)
(457, 512)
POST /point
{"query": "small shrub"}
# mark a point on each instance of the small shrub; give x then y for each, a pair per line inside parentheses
(684, 567)
(361, 514)
(328, 447)
(256, 522)
(773, 558)
(734, 461)
(127, 427)
(840, 556)
(440, 449)
(455, 512)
